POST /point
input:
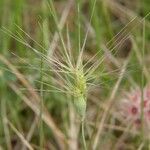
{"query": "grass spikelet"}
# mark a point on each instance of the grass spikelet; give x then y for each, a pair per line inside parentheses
(80, 90)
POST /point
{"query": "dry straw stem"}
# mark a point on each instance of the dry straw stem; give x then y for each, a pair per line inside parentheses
(141, 146)
(145, 72)
(117, 64)
(1, 147)
(33, 103)
(124, 13)
(103, 106)
(73, 130)
(31, 131)
(115, 128)
(20, 77)
(46, 118)
(139, 57)
(109, 104)
(5, 125)
(61, 24)
(122, 138)
(24, 141)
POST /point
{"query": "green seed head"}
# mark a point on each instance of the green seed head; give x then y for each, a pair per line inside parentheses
(80, 90)
(80, 83)
(80, 104)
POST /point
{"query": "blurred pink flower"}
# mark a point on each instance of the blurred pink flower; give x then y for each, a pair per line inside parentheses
(130, 108)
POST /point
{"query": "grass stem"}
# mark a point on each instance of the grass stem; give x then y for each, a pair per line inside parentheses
(83, 135)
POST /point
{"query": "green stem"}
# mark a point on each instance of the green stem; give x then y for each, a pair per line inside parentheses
(83, 135)
(41, 109)
(41, 105)
(142, 80)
